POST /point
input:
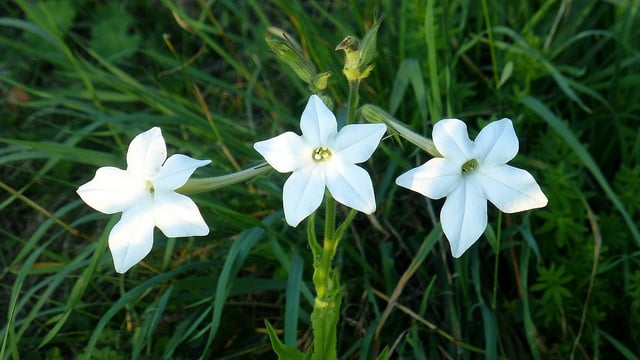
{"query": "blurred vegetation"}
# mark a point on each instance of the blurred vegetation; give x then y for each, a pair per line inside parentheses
(80, 78)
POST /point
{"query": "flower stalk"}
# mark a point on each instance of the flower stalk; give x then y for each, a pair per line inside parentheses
(195, 186)
(374, 114)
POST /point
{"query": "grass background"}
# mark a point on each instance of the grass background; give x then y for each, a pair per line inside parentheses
(80, 78)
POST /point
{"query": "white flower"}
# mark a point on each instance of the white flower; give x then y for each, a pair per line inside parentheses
(145, 194)
(321, 157)
(469, 174)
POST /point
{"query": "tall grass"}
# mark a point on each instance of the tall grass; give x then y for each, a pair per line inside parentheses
(80, 78)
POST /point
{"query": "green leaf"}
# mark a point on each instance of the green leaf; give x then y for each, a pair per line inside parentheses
(111, 33)
(283, 351)
(384, 355)
(506, 73)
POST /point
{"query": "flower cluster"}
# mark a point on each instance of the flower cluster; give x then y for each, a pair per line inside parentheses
(468, 174)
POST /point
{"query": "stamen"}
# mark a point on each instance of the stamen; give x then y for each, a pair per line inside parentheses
(149, 185)
(321, 153)
(469, 167)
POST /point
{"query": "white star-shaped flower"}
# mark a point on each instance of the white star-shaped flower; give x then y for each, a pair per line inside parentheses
(321, 157)
(145, 194)
(469, 174)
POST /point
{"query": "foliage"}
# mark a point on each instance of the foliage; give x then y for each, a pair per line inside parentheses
(80, 78)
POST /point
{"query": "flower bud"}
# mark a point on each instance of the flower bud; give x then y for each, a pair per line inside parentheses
(290, 54)
(358, 54)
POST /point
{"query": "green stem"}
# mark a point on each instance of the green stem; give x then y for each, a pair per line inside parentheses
(353, 100)
(326, 308)
(320, 277)
(195, 186)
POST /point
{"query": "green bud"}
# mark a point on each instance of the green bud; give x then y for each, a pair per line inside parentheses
(374, 114)
(358, 54)
(290, 54)
(319, 82)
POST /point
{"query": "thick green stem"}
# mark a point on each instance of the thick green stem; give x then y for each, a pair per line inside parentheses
(321, 275)
(326, 308)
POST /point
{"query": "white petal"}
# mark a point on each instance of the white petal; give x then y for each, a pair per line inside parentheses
(176, 171)
(351, 185)
(113, 190)
(177, 215)
(318, 123)
(464, 216)
(356, 143)
(496, 143)
(434, 179)
(302, 193)
(131, 239)
(285, 152)
(451, 138)
(510, 189)
(146, 153)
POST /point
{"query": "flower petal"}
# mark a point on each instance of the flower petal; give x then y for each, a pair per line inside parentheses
(351, 185)
(113, 190)
(464, 216)
(452, 140)
(510, 189)
(356, 143)
(496, 143)
(176, 171)
(302, 193)
(285, 152)
(318, 123)
(131, 239)
(146, 153)
(434, 179)
(177, 215)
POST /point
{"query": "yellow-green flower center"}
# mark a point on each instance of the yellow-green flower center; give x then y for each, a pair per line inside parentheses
(321, 153)
(149, 185)
(469, 167)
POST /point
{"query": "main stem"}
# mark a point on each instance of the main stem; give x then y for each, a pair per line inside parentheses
(353, 100)
(321, 276)
(326, 307)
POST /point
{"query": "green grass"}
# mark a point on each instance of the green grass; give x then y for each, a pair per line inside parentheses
(79, 79)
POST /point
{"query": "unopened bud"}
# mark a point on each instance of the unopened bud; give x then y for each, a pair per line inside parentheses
(290, 54)
(358, 54)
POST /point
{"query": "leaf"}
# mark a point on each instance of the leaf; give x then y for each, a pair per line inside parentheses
(506, 73)
(111, 33)
(384, 355)
(409, 72)
(283, 351)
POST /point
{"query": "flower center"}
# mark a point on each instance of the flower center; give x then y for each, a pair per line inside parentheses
(321, 153)
(469, 167)
(149, 185)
